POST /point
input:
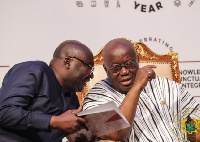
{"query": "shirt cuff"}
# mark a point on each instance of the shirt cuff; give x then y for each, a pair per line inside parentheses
(41, 121)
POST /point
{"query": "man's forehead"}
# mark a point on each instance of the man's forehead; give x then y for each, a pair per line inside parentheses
(121, 57)
(121, 49)
(118, 47)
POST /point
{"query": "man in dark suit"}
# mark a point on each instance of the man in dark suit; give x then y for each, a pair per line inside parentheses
(37, 101)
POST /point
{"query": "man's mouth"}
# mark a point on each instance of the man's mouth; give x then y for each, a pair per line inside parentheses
(126, 82)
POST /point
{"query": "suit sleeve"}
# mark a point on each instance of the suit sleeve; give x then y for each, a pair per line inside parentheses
(17, 93)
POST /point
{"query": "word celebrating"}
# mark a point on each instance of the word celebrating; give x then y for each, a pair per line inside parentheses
(158, 40)
(190, 78)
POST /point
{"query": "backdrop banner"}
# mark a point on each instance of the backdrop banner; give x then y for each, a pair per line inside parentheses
(31, 30)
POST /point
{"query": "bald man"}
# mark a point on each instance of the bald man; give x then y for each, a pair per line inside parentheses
(138, 93)
(37, 101)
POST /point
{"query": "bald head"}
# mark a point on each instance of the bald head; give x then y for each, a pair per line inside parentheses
(70, 48)
(72, 64)
(115, 46)
(120, 64)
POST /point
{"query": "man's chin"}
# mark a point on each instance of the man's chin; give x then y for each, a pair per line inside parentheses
(77, 89)
(80, 89)
(125, 89)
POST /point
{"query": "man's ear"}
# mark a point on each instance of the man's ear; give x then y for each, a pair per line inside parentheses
(67, 63)
(105, 68)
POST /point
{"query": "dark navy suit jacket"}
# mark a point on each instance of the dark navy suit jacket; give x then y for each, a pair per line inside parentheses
(29, 96)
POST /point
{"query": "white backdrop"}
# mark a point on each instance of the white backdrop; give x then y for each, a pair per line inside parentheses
(32, 29)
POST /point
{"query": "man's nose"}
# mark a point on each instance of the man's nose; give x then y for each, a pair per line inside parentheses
(124, 71)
